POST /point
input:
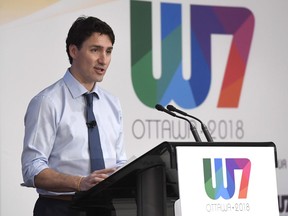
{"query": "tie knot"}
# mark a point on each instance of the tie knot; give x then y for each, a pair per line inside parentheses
(89, 98)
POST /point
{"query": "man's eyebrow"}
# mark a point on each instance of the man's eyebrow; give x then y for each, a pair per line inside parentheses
(99, 46)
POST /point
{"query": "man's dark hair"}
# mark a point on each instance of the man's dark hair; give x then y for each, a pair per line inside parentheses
(83, 28)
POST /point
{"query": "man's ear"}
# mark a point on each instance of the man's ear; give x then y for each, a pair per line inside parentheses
(73, 50)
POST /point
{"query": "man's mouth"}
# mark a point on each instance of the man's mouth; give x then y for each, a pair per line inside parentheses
(100, 69)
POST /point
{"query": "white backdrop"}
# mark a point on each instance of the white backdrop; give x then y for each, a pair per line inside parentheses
(32, 56)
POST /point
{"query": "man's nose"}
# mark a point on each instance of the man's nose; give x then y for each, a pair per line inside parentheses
(102, 58)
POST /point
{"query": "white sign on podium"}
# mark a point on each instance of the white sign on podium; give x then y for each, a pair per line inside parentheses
(227, 180)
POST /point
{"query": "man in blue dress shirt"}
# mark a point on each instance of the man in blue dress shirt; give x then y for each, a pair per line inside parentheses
(55, 157)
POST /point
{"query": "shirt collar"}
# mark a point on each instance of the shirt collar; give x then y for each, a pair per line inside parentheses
(95, 90)
(75, 87)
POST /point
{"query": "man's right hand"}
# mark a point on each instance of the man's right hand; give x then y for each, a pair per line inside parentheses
(94, 178)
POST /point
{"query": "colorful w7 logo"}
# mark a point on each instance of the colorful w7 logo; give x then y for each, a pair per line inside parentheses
(231, 165)
(204, 22)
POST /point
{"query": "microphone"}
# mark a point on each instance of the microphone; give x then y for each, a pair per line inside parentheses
(203, 126)
(91, 124)
(192, 128)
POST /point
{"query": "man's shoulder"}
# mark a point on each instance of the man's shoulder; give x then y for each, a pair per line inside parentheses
(106, 94)
(53, 89)
(50, 94)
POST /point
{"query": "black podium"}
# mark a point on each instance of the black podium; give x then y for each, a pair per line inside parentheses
(148, 186)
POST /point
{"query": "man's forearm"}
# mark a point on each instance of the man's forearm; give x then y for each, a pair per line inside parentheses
(51, 180)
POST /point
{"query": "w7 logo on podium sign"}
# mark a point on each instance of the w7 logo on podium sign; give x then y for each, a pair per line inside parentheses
(219, 190)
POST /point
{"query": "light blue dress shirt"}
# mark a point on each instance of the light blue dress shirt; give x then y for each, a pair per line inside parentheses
(56, 134)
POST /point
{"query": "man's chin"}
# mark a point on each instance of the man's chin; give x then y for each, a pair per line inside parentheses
(99, 79)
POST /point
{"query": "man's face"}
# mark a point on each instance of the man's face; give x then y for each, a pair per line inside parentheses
(91, 61)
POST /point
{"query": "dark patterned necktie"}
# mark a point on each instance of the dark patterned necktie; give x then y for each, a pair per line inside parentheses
(96, 155)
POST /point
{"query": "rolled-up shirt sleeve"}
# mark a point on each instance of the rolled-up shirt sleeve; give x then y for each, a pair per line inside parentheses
(40, 130)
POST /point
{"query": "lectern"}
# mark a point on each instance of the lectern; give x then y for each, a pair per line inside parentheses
(150, 185)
